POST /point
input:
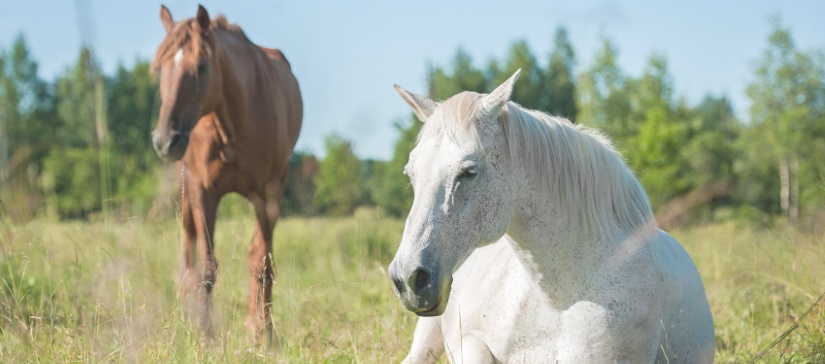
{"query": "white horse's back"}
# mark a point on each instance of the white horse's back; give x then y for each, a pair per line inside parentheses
(687, 324)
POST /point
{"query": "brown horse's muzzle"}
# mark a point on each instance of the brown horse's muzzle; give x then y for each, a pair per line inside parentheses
(170, 145)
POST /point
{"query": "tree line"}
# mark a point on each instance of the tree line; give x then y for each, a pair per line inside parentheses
(72, 147)
(79, 146)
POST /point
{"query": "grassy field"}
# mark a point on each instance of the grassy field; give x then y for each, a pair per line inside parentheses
(94, 292)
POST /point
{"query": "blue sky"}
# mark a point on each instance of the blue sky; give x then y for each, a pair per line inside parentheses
(347, 54)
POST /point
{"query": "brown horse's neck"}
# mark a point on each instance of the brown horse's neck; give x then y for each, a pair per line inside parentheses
(238, 62)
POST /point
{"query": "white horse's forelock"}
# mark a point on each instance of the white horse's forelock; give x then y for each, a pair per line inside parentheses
(456, 117)
(576, 163)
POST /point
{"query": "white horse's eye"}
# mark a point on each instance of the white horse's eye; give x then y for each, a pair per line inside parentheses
(468, 173)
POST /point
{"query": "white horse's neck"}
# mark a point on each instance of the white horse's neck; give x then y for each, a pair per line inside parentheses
(560, 259)
(576, 209)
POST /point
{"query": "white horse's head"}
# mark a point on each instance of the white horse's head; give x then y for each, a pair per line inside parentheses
(464, 196)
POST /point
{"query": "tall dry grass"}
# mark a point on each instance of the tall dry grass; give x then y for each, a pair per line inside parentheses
(759, 283)
(91, 292)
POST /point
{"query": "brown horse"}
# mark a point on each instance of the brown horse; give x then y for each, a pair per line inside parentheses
(230, 113)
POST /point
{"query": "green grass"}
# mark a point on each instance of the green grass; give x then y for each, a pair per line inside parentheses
(88, 292)
(759, 283)
(91, 292)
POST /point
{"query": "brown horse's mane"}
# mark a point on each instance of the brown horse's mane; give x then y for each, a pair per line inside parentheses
(187, 34)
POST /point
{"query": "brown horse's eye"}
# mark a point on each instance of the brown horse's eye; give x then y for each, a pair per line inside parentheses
(202, 67)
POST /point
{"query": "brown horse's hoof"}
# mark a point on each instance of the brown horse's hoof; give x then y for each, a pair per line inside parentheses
(254, 329)
(208, 338)
(196, 302)
(260, 332)
(207, 330)
(189, 282)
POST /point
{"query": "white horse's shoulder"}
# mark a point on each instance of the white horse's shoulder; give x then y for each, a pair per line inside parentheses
(495, 300)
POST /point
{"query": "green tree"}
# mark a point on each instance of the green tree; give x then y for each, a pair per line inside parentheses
(75, 103)
(73, 181)
(711, 150)
(300, 187)
(464, 77)
(788, 109)
(653, 150)
(757, 170)
(72, 172)
(604, 98)
(395, 195)
(711, 153)
(132, 112)
(529, 90)
(339, 186)
(559, 83)
(372, 171)
(26, 129)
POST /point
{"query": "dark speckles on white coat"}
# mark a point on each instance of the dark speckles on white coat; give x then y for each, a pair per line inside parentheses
(579, 272)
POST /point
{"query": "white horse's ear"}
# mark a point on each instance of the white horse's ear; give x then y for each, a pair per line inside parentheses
(422, 106)
(493, 103)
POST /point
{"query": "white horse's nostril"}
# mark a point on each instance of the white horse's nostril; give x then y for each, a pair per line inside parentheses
(419, 280)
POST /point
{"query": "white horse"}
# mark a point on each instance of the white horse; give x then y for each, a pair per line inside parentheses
(581, 272)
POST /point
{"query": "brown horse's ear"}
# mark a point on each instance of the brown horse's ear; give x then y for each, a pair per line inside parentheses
(203, 18)
(166, 18)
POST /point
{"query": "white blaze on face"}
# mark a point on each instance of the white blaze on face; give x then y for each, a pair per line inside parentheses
(178, 57)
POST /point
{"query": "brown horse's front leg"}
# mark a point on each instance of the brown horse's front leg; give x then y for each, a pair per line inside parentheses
(204, 205)
(189, 279)
(261, 272)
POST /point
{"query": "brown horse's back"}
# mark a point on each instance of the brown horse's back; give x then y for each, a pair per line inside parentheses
(275, 54)
(288, 85)
(285, 101)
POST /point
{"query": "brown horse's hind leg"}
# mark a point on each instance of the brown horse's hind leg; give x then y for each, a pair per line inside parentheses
(204, 206)
(261, 271)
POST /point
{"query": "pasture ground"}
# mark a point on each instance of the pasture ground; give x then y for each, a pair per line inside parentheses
(95, 292)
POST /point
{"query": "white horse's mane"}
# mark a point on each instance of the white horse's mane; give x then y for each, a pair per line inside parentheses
(578, 164)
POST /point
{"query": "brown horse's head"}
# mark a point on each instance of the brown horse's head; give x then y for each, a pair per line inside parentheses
(190, 81)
